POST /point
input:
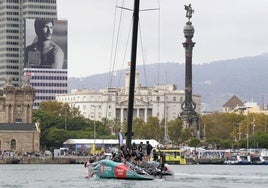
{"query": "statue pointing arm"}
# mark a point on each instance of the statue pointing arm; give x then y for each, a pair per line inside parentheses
(189, 11)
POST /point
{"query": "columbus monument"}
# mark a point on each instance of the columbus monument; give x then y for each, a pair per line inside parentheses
(188, 115)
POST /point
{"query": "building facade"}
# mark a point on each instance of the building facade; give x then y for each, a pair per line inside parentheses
(19, 138)
(17, 103)
(15, 34)
(12, 19)
(47, 83)
(162, 101)
(17, 132)
(235, 105)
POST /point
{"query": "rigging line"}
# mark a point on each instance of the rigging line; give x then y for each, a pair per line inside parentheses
(142, 51)
(112, 47)
(139, 10)
(112, 61)
(124, 8)
(158, 53)
(142, 54)
(150, 9)
(112, 64)
(111, 57)
(124, 56)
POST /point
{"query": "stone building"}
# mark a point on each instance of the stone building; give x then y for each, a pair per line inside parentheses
(234, 104)
(17, 132)
(161, 101)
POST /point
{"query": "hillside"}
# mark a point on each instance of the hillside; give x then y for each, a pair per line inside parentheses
(216, 82)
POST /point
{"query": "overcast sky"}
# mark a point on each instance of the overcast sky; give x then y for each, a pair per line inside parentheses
(224, 29)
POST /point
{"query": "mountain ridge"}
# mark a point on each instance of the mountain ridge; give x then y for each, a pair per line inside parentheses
(216, 82)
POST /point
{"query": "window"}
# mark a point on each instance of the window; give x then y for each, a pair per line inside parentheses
(13, 144)
(18, 120)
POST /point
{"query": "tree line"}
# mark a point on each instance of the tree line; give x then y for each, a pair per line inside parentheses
(60, 122)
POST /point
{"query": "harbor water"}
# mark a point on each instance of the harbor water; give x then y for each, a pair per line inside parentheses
(67, 176)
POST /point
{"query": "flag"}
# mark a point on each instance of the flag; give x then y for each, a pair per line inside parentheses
(27, 73)
(120, 138)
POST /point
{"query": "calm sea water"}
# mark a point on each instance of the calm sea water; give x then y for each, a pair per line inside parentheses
(66, 176)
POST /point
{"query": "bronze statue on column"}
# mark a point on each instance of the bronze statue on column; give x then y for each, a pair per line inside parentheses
(188, 115)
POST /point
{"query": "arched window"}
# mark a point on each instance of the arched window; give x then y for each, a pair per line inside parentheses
(13, 144)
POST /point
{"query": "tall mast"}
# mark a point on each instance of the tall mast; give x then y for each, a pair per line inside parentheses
(132, 72)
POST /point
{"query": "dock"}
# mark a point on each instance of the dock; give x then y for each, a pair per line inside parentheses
(45, 160)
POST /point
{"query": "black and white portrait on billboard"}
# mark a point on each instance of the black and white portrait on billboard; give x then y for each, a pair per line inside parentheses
(46, 47)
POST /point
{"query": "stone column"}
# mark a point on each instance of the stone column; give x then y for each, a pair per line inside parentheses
(188, 114)
(12, 114)
(145, 115)
(30, 113)
(138, 113)
(121, 115)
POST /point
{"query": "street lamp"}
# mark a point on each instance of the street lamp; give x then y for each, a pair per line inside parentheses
(239, 131)
(65, 117)
(94, 133)
(65, 120)
(253, 130)
(247, 137)
(265, 128)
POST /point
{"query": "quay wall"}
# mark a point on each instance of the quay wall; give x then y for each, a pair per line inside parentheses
(44, 160)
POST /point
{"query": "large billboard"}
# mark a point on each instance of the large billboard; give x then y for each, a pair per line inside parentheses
(45, 44)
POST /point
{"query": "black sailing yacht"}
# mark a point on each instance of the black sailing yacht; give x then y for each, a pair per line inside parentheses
(107, 168)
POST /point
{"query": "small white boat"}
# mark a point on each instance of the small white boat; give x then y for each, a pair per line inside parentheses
(264, 156)
(238, 158)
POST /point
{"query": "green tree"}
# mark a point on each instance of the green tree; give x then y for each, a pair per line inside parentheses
(54, 117)
(213, 142)
(175, 131)
(56, 137)
(138, 127)
(186, 134)
(102, 129)
(220, 125)
(194, 142)
(153, 130)
(225, 144)
(114, 125)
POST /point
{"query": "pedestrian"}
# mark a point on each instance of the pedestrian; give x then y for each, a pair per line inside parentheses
(155, 155)
(149, 148)
(162, 162)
